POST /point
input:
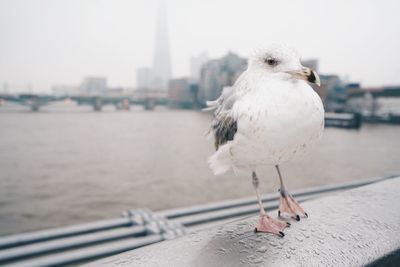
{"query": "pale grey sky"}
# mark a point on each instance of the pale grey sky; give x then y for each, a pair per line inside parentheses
(45, 42)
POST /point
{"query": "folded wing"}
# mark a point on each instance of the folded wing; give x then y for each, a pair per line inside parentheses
(224, 125)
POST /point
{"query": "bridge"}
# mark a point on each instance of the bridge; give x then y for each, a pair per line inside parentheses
(149, 99)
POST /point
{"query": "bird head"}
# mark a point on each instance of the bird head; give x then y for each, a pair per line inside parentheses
(282, 59)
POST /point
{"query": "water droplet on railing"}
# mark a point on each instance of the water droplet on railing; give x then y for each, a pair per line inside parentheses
(262, 249)
(258, 260)
(273, 244)
(299, 238)
(222, 250)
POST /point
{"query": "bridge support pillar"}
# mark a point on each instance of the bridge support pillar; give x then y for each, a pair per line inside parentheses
(35, 106)
(97, 104)
(149, 104)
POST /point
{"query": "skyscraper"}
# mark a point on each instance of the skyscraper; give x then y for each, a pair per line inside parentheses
(162, 60)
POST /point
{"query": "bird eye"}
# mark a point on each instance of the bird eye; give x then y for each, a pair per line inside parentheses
(271, 61)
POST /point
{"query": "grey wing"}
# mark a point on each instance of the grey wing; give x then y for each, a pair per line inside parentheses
(224, 128)
(224, 125)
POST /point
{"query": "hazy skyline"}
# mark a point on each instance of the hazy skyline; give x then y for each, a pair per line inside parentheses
(46, 42)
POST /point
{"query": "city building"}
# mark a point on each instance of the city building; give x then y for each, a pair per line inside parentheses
(218, 73)
(333, 92)
(196, 63)
(144, 78)
(94, 85)
(182, 93)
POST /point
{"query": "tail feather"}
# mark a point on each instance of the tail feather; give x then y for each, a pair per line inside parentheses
(211, 105)
(220, 162)
(209, 108)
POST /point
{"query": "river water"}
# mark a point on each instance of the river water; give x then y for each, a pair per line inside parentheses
(68, 164)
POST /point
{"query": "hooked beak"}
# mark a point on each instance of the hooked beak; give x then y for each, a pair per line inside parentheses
(307, 75)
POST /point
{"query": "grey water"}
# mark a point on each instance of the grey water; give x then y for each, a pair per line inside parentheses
(68, 164)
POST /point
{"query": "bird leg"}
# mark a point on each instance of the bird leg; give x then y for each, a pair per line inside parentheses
(287, 204)
(265, 223)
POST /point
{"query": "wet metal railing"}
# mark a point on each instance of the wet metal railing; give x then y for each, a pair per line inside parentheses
(137, 228)
(360, 227)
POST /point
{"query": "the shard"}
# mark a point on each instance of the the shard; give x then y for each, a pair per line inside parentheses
(162, 60)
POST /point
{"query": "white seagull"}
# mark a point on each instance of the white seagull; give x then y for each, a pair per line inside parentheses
(269, 116)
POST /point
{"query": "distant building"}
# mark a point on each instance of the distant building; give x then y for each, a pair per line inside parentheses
(5, 87)
(218, 73)
(162, 60)
(144, 78)
(94, 85)
(182, 93)
(196, 63)
(335, 92)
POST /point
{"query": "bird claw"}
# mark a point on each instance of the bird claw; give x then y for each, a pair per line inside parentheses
(280, 233)
(267, 224)
(289, 206)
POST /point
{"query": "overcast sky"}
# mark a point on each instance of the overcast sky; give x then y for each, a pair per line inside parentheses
(45, 42)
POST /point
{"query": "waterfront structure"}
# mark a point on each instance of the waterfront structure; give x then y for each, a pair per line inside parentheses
(375, 102)
(182, 93)
(218, 73)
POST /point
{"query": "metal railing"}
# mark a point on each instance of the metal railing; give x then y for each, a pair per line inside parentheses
(137, 228)
(360, 227)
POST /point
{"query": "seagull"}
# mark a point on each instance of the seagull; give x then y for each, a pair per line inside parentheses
(268, 117)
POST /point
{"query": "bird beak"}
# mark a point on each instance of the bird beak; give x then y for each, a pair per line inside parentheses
(307, 75)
